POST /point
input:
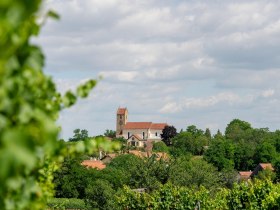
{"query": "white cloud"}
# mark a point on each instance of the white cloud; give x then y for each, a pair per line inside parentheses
(203, 102)
(268, 93)
(123, 76)
(172, 60)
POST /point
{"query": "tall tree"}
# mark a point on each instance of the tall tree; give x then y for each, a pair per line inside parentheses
(208, 134)
(167, 134)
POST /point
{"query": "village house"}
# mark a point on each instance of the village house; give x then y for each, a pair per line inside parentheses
(247, 175)
(137, 133)
(97, 164)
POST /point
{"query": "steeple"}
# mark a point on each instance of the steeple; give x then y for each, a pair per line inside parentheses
(122, 114)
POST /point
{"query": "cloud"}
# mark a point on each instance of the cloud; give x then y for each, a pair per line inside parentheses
(172, 61)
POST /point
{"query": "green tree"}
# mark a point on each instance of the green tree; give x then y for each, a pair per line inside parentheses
(220, 153)
(208, 134)
(191, 141)
(79, 135)
(160, 147)
(167, 134)
(99, 195)
(110, 133)
(194, 173)
(265, 153)
(237, 129)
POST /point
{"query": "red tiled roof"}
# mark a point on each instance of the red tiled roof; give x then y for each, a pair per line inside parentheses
(121, 110)
(245, 173)
(267, 166)
(144, 125)
(158, 126)
(94, 164)
(137, 125)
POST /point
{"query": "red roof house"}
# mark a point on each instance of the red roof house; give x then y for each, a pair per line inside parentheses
(94, 164)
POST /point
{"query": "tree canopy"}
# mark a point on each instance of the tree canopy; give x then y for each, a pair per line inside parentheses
(167, 134)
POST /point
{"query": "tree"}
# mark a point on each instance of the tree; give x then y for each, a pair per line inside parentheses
(192, 140)
(194, 131)
(208, 134)
(79, 135)
(160, 147)
(265, 153)
(99, 195)
(237, 129)
(194, 173)
(110, 133)
(221, 154)
(167, 134)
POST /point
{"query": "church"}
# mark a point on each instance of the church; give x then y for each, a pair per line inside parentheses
(137, 133)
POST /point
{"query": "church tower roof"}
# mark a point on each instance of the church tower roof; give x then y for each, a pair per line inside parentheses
(121, 110)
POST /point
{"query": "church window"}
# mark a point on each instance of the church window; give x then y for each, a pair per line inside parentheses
(120, 116)
(128, 135)
(143, 135)
(156, 133)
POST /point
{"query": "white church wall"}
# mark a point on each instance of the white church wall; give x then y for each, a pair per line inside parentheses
(155, 134)
(138, 132)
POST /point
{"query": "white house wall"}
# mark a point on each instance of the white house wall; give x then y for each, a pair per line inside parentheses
(138, 132)
(153, 134)
(149, 133)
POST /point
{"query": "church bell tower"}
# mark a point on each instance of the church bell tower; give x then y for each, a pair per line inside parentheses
(122, 114)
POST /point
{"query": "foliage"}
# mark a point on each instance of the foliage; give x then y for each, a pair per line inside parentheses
(220, 153)
(160, 147)
(208, 134)
(191, 141)
(167, 134)
(66, 203)
(110, 133)
(194, 173)
(171, 197)
(243, 147)
(237, 129)
(29, 107)
(99, 195)
(257, 195)
(79, 135)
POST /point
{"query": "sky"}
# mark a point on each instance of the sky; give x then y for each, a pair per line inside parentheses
(195, 62)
